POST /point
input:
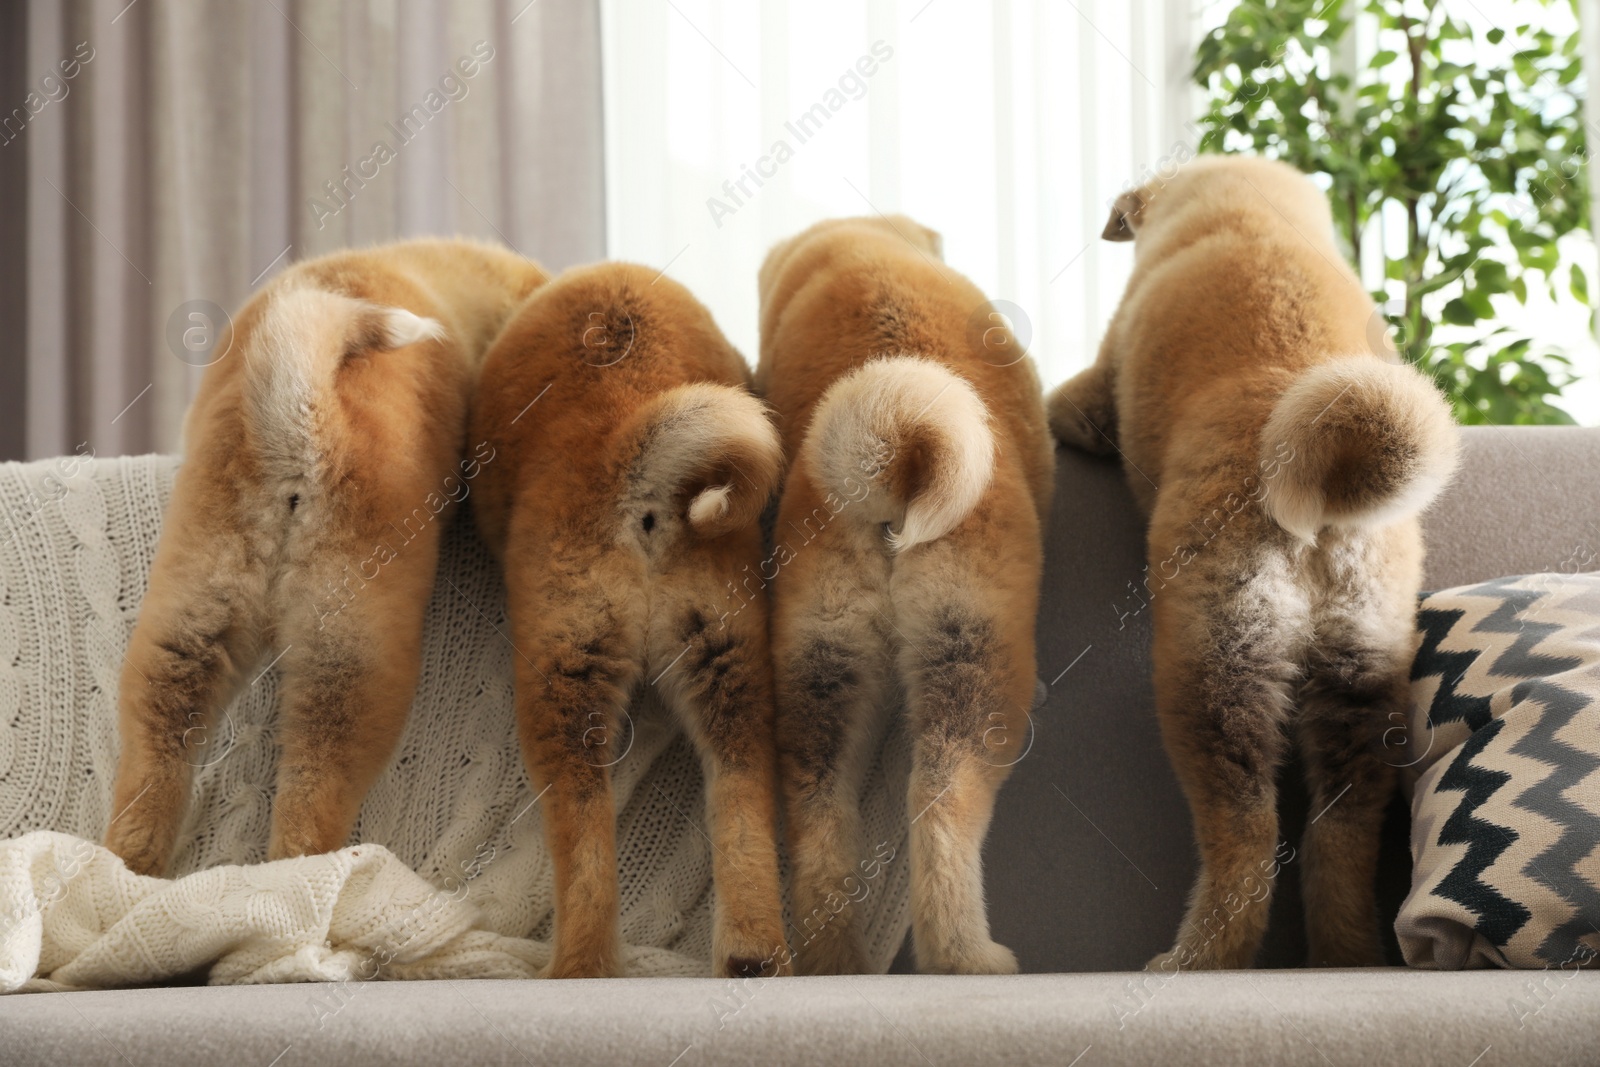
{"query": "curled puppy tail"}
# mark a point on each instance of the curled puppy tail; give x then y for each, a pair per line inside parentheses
(1356, 442)
(912, 431)
(305, 338)
(712, 446)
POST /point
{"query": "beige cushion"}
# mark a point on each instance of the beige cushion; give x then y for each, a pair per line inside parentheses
(1504, 753)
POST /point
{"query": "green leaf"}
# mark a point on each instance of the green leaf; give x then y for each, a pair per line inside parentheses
(1476, 169)
(1458, 313)
(1490, 276)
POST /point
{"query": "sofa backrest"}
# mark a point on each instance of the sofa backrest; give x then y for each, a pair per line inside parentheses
(1090, 858)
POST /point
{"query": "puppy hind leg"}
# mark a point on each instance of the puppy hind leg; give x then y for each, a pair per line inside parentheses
(1353, 695)
(1221, 697)
(580, 649)
(717, 677)
(569, 726)
(186, 659)
(345, 705)
(833, 682)
(349, 680)
(967, 678)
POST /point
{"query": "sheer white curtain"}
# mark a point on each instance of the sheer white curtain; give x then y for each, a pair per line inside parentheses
(1009, 125)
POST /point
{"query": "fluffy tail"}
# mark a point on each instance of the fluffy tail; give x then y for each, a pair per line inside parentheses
(1356, 442)
(909, 440)
(714, 446)
(305, 336)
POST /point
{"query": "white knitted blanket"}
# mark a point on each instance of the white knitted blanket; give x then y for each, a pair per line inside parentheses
(446, 874)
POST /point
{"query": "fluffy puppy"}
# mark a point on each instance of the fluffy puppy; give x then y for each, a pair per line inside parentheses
(905, 572)
(1282, 452)
(634, 468)
(323, 447)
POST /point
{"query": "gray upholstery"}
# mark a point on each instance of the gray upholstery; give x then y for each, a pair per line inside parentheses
(1088, 864)
(1091, 857)
(1527, 499)
(1284, 1019)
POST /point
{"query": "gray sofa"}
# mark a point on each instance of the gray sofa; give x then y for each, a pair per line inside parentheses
(1088, 864)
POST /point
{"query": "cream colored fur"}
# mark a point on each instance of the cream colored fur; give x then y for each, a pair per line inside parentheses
(876, 412)
(905, 574)
(1338, 410)
(1281, 452)
(306, 335)
(694, 428)
(324, 450)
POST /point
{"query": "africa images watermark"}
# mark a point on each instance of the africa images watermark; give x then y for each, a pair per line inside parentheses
(453, 489)
(328, 1000)
(453, 87)
(52, 489)
(1255, 890)
(855, 490)
(853, 889)
(1547, 985)
(52, 89)
(1210, 527)
(51, 889)
(852, 85)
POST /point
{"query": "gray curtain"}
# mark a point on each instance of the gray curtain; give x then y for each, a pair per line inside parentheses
(174, 154)
(13, 232)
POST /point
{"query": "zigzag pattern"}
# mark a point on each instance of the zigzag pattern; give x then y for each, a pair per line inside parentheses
(1499, 917)
(1541, 906)
(1557, 866)
(1451, 667)
(1512, 617)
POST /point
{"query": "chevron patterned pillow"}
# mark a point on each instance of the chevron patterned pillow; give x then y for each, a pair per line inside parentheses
(1504, 768)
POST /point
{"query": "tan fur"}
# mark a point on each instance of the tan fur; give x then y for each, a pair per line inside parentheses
(325, 448)
(1282, 462)
(625, 507)
(906, 570)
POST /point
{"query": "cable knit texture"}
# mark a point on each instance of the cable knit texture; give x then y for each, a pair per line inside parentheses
(446, 874)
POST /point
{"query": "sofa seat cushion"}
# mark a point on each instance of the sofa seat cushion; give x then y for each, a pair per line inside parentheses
(1280, 1018)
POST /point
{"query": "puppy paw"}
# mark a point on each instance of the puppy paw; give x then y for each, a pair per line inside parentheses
(752, 957)
(831, 955)
(579, 966)
(1082, 414)
(1165, 962)
(1201, 956)
(142, 851)
(771, 965)
(979, 957)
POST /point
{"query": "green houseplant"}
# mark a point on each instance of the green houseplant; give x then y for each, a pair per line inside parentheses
(1468, 141)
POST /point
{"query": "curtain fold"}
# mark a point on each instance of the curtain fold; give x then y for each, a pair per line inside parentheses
(200, 147)
(13, 229)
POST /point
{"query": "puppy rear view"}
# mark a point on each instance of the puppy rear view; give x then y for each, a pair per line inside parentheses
(1282, 463)
(626, 505)
(908, 558)
(304, 526)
